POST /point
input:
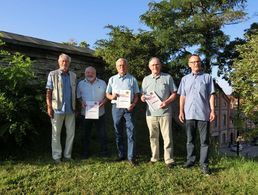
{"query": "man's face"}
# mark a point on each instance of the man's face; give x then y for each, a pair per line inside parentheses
(195, 64)
(90, 75)
(63, 64)
(155, 66)
(121, 67)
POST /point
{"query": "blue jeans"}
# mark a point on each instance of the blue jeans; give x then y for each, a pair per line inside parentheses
(102, 135)
(121, 117)
(191, 128)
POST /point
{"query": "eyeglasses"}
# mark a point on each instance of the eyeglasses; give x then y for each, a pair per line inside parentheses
(193, 62)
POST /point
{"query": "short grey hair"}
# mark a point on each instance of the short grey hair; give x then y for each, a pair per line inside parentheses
(155, 58)
(122, 59)
(63, 55)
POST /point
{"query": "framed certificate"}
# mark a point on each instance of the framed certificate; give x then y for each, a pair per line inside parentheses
(123, 99)
(92, 110)
(153, 101)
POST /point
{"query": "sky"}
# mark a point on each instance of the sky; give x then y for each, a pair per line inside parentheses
(85, 20)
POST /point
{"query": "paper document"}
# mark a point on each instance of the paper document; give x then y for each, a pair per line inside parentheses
(123, 99)
(92, 110)
(153, 101)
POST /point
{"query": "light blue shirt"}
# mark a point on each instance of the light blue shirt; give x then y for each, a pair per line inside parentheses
(126, 82)
(197, 89)
(163, 85)
(92, 92)
(67, 92)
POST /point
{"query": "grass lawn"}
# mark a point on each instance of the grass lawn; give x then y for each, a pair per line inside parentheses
(103, 176)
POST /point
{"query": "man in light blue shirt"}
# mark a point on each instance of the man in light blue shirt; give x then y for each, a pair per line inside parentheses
(93, 89)
(160, 120)
(197, 102)
(61, 86)
(123, 81)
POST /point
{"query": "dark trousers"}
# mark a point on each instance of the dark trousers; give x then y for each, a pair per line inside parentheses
(101, 132)
(121, 115)
(191, 128)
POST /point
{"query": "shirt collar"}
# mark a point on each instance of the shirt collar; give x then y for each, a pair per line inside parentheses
(195, 74)
(62, 73)
(124, 76)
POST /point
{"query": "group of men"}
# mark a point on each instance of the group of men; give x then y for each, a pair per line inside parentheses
(196, 110)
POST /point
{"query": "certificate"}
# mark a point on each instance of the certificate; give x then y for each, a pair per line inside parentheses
(92, 110)
(123, 99)
(153, 101)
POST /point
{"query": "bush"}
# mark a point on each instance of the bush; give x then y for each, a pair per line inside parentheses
(20, 98)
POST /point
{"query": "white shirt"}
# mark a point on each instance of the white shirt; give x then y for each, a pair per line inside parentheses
(95, 91)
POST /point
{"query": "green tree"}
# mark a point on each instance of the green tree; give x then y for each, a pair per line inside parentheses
(137, 48)
(181, 25)
(72, 42)
(244, 77)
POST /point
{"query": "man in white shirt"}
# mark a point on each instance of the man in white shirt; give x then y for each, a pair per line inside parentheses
(88, 90)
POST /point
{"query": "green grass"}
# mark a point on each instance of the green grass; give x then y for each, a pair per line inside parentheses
(103, 176)
(31, 170)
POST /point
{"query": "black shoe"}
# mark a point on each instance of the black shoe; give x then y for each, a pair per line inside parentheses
(188, 165)
(68, 160)
(57, 161)
(205, 170)
(119, 159)
(132, 163)
(170, 165)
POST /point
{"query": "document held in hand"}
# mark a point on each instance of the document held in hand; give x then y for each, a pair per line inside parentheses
(153, 101)
(92, 110)
(123, 99)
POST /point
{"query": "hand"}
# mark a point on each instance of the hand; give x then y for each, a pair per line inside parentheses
(50, 112)
(212, 116)
(83, 104)
(114, 96)
(181, 117)
(163, 105)
(143, 98)
(131, 107)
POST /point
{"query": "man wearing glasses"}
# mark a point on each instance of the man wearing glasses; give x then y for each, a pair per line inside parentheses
(197, 102)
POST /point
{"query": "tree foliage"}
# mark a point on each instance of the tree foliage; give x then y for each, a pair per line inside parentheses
(20, 100)
(179, 25)
(244, 77)
(137, 48)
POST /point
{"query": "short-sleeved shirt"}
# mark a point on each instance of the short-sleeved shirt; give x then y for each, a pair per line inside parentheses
(163, 85)
(67, 92)
(197, 89)
(126, 82)
(92, 92)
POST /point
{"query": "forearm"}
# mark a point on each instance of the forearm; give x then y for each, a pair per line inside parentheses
(212, 103)
(171, 98)
(49, 98)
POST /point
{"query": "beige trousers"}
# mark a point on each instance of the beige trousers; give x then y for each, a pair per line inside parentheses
(57, 123)
(161, 124)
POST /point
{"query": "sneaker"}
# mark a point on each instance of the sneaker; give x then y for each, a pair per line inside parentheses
(205, 170)
(132, 163)
(188, 165)
(170, 165)
(119, 159)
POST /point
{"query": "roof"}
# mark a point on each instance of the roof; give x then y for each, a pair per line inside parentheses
(43, 44)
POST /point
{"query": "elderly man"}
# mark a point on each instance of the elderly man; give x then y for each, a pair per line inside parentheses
(161, 86)
(92, 89)
(61, 86)
(197, 99)
(118, 87)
